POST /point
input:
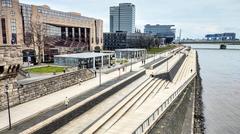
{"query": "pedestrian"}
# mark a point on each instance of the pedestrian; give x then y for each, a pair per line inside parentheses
(152, 74)
(95, 73)
(191, 70)
(80, 81)
(66, 102)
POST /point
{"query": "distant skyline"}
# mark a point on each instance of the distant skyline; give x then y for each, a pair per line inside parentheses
(195, 18)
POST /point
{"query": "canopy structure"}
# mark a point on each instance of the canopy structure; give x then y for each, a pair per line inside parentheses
(83, 60)
(129, 53)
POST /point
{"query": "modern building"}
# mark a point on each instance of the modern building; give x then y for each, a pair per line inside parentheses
(165, 32)
(121, 40)
(64, 32)
(122, 18)
(222, 36)
(84, 60)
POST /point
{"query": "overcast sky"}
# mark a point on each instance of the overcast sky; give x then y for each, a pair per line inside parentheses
(195, 17)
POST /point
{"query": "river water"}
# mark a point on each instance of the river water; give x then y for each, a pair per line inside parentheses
(220, 72)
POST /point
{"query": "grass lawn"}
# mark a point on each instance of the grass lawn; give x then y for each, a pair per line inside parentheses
(124, 61)
(47, 69)
(161, 49)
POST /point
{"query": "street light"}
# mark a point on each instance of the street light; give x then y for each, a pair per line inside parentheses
(9, 114)
(131, 65)
(154, 56)
(119, 72)
(167, 65)
(100, 76)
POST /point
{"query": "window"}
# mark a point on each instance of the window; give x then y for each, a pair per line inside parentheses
(14, 31)
(1, 69)
(4, 34)
(12, 13)
(6, 3)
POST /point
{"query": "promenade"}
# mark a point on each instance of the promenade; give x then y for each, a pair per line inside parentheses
(28, 110)
(129, 108)
(94, 118)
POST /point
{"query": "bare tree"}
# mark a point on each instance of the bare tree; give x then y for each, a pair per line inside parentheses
(156, 42)
(38, 37)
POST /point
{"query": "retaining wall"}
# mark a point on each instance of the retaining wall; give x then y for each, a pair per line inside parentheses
(173, 71)
(32, 90)
(160, 62)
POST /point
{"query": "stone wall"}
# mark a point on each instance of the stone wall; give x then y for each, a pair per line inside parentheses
(10, 61)
(30, 91)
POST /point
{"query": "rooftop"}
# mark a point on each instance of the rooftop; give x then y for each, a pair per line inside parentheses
(83, 55)
(130, 49)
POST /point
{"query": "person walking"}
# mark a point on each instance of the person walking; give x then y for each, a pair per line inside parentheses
(66, 102)
(80, 81)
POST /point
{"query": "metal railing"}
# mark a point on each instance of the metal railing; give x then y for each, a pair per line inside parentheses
(155, 115)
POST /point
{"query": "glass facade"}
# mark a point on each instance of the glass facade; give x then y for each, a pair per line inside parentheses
(60, 15)
(26, 15)
(6, 3)
(53, 31)
(122, 18)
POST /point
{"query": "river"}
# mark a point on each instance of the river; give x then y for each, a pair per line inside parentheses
(220, 72)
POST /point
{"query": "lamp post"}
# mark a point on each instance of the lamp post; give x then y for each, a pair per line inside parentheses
(167, 65)
(154, 56)
(119, 72)
(100, 76)
(9, 114)
(100, 72)
(131, 65)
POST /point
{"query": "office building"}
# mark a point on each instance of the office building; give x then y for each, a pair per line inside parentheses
(65, 32)
(122, 18)
(165, 32)
(222, 36)
(122, 39)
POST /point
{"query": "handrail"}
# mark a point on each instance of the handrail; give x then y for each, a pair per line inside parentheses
(165, 103)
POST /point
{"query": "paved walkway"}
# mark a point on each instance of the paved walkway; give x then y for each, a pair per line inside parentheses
(136, 114)
(82, 122)
(131, 120)
(32, 108)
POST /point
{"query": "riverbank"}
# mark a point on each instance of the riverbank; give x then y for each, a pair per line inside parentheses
(185, 115)
(198, 122)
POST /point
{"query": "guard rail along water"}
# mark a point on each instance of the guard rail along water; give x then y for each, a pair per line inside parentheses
(154, 117)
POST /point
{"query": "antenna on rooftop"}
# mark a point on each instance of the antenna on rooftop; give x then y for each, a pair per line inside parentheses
(180, 34)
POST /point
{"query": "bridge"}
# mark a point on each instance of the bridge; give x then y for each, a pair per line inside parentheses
(131, 103)
(225, 42)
